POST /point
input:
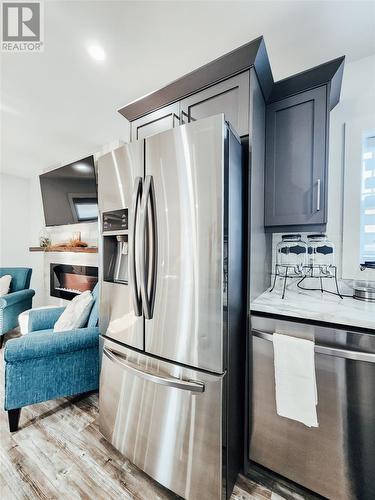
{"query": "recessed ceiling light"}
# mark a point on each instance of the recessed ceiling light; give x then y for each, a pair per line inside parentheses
(96, 52)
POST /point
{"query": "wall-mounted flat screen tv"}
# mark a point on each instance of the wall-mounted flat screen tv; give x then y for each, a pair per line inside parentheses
(69, 193)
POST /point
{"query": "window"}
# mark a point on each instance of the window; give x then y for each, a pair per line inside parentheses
(84, 206)
(367, 227)
(86, 209)
(359, 199)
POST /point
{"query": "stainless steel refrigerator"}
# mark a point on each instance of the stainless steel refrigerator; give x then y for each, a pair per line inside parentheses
(172, 306)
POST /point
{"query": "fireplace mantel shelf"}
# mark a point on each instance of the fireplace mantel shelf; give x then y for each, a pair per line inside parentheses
(65, 249)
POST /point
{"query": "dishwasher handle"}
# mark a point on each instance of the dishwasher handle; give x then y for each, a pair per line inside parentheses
(337, 352)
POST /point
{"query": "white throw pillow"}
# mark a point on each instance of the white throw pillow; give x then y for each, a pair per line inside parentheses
(5, 284)
(76, 313)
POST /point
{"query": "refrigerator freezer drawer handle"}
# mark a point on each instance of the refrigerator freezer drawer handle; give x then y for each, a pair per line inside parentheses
(368, 357)
(132, 258)
(186, 385)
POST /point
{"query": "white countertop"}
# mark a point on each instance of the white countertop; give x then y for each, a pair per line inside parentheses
(318, 306)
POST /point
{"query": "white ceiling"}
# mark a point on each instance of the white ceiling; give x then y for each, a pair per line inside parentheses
(60, 105)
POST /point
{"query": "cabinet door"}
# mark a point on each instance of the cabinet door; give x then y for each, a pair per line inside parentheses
(155, 122)
(230, 97)
(296, 160)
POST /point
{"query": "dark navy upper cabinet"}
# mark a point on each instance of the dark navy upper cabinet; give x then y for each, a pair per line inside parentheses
(296, 161)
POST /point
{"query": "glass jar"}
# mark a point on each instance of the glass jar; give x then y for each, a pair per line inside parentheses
(291, 254)
(44, 238)
(321, 254)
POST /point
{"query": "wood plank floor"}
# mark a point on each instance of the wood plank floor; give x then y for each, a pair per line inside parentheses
(59, 453)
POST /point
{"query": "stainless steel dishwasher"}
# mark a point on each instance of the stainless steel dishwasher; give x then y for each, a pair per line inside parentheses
(336, 459)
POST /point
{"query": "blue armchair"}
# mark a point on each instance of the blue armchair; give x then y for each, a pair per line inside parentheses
(44, 365)
(18, 299)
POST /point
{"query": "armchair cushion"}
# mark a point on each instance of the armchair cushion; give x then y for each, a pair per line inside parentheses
(43, 318)
(20, 277)
(45, 343)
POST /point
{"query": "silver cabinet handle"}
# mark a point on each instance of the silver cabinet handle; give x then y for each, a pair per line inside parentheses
(186, 385)
(318, 196)
(148, 246)
(368, 357)
(137, 192)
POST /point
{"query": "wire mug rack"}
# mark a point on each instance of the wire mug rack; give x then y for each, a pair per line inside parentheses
(307, 271)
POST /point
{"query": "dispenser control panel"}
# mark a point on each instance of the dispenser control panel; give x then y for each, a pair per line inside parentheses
(117, 220)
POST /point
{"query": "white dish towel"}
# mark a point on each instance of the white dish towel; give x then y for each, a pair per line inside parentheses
(295, 380)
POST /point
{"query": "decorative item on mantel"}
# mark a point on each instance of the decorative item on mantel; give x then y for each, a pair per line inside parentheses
(71, 244)
(74, 245)
(297, 259)
(44, 238)
(74, 242)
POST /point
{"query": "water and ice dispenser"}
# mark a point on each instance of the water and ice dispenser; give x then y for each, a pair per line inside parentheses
(115, 246)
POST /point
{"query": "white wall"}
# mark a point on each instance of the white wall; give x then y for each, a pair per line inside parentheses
(21, 219)
(14, 220)
(37, 258)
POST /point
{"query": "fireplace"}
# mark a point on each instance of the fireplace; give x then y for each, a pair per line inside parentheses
(67, 281)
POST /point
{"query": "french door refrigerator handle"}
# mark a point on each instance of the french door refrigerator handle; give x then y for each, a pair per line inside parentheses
(152, 275)
(148, 272)
(187, 385)
(336, 352)
(137, 303)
